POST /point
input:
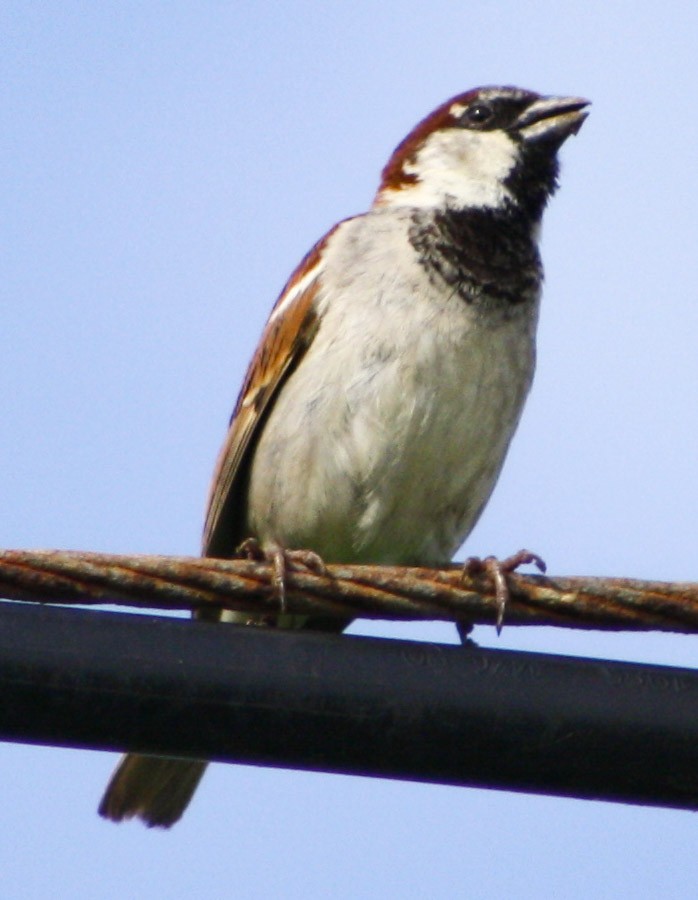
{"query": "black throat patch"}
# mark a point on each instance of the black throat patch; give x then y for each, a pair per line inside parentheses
(486, 256)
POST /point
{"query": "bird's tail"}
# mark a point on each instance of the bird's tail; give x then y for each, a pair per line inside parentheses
(156, 789)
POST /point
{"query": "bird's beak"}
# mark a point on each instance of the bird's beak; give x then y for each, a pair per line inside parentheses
(552, 119)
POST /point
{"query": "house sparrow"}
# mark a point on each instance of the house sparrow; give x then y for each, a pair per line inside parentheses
(377, 410)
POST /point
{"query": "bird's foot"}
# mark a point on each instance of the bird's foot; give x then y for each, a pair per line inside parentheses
(498, 569)
(282, 562)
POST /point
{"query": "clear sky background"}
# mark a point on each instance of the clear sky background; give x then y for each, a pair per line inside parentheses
(164, 167)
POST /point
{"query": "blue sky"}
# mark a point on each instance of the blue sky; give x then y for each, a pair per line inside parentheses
(165, 165)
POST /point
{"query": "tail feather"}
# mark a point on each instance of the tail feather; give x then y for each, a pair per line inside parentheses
(157, 789)
(154, 788)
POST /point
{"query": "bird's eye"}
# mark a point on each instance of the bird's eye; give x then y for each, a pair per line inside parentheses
(479, 114)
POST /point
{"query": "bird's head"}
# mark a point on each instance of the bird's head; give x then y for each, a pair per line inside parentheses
(490, 148)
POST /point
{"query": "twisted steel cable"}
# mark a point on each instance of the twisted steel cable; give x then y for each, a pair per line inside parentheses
(375, 592)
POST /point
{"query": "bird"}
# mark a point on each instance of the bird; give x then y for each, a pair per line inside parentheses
(377, 410)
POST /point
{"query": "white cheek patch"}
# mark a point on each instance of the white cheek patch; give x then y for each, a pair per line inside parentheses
(460, 168)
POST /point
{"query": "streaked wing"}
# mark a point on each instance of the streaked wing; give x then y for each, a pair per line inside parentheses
(288, 333)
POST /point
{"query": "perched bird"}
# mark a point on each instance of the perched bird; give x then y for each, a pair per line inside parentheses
(377, 410)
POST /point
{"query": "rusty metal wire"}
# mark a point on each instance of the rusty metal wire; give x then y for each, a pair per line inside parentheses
(373, 592)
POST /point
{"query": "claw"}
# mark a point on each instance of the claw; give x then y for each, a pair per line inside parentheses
(464, 630)
(498, 569)
(282, 561)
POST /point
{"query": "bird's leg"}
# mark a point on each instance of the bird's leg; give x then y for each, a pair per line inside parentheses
(498, 569)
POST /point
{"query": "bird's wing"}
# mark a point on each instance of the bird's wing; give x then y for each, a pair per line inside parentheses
(289, 331)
